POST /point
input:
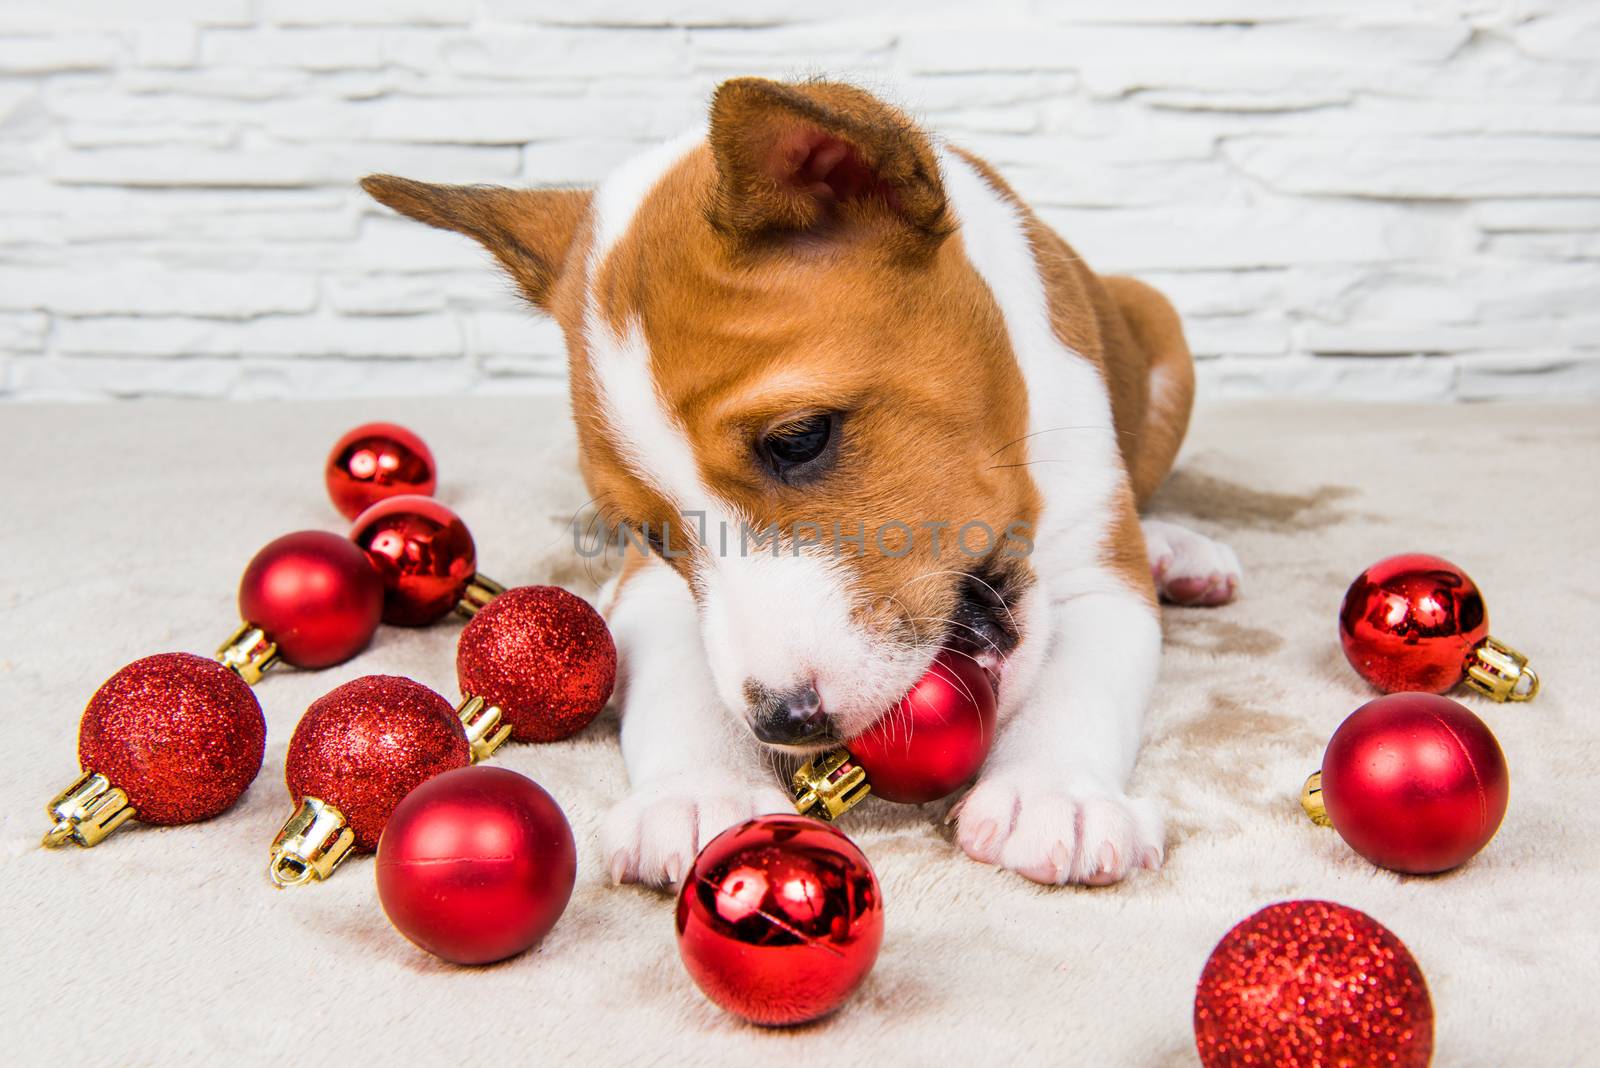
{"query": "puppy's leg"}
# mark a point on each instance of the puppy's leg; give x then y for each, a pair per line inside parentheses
(1190, 568)
(1050, 803)
(693, 769)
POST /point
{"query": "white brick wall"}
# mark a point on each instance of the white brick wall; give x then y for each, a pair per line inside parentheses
(1377, 198)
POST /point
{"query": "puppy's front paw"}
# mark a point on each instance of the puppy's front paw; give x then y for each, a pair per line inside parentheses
(653, 834)
(1057, 834)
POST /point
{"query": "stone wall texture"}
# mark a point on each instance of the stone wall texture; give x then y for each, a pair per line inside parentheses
(1365, 198)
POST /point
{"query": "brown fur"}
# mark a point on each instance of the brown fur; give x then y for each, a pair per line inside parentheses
(528, 230)
(792, 158)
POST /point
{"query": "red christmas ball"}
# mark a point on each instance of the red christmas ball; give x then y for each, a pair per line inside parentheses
(544, 656)
(182, 735)
(375, 461)
(476, 865)
(1312, 983)
(424, 554)
(935, 739)
(315, 595)
(1415, 783)
(364, 746)
(780, 919)
(1411, 622)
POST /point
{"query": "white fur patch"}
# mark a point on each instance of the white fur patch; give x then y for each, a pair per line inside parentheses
(786, 618)
(643, 431)
(694, 770)
(1071, 448)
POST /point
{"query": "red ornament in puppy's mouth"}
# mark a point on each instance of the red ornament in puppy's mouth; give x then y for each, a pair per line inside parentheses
(935, 738)
(938, 735)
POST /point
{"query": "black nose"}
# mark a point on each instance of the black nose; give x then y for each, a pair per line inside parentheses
(787, 717)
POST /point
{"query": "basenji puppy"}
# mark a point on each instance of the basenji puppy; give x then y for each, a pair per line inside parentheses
(813, 321)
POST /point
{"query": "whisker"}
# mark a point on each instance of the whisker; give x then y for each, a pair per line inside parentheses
(1027, 463)
(1052, 430)
(965, 626)
(1004, 607)
(966, 691)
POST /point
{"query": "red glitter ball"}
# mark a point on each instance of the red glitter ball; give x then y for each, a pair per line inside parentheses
(543, 656)
(363, 746)
(181, 734)
(1303, 984)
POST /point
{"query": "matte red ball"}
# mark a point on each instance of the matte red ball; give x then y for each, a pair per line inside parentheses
(423, 553)
(182, 735)
(935, 739)
(476, 865)
(362, 747)
(1305, 983)
(376, 461)
(314, 594)
(1414, 782)
(1410, 622)
(780, 919)
(544, 656)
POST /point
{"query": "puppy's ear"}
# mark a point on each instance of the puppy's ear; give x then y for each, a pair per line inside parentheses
(792, 158)
(528, 230)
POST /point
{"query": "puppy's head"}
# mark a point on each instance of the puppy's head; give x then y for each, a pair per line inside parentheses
(790, 382)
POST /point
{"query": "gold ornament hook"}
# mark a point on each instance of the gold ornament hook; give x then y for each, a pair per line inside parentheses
(484, 730)
(311, 845)
(248, 652)
(479, 592)
(829, 786)
(87, 811)
(1311, 800)
(1498, 671)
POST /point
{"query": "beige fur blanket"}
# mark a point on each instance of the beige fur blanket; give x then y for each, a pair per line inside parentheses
(125, 531)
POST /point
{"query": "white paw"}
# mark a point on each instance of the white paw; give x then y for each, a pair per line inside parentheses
(1057, 834)
(1190, 568)
(653, 835)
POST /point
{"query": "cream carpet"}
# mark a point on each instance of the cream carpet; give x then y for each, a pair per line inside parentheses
(126, 528)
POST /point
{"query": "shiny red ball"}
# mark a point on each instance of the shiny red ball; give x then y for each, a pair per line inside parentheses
(1410, 623)
(364, 746)
(314, 594)
(544, 656)
(935, 739)
(181, 734)
(424, 554)
(476, 865)
(1415, 783)
(375, 461)
(780, 919)
(1312, 983)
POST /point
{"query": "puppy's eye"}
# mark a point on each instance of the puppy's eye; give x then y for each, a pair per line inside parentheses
(791, 447)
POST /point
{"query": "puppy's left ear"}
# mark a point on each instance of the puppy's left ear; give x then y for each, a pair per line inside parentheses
(799, 157)
(529, 230)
